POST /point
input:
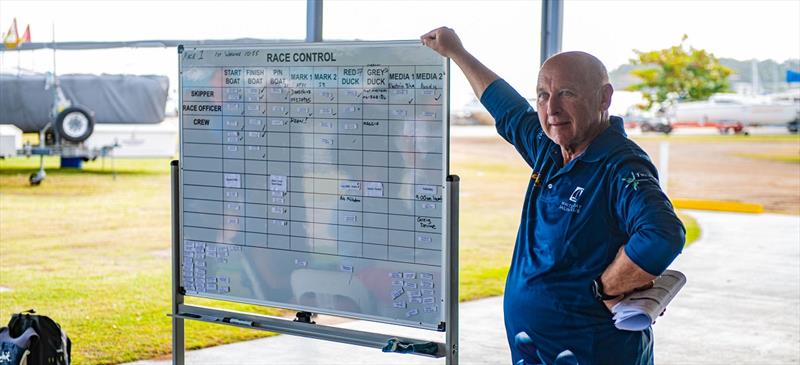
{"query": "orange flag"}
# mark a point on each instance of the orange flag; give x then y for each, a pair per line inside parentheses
(26, 37)
(11, 38)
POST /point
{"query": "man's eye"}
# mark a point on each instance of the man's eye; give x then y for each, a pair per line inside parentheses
(567, 93)
(542, 97)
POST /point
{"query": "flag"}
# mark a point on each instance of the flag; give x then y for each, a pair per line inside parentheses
(26, 37)
(792, 76)
(11, 38)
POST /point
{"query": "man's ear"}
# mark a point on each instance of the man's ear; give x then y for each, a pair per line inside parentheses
(605, 96)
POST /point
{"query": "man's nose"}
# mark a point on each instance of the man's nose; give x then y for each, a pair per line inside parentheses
(553, 105)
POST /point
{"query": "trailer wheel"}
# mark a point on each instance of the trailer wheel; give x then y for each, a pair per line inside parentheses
(793, 126)
(35, 179)
(74, 124)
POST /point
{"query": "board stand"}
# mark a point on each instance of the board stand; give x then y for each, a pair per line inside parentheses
(302, 325)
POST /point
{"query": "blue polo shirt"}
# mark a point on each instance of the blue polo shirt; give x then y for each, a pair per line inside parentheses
(574, 220)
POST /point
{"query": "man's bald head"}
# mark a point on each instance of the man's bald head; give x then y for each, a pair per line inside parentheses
(587, 67)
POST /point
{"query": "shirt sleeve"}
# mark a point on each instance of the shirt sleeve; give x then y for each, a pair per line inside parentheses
(656, 234)
(515, 119)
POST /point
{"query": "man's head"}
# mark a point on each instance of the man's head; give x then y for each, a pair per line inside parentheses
(573, 96)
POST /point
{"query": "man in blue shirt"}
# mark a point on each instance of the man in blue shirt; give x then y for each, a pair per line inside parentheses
(595, 224)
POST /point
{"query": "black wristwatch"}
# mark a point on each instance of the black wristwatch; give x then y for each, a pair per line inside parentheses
(600, 293)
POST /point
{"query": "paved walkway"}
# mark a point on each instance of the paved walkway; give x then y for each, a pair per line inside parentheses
(741, 305)
(741, 302)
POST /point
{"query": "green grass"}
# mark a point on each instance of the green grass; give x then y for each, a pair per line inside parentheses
(779, 157)
(122, 166)
(91, 249)
(692, 229)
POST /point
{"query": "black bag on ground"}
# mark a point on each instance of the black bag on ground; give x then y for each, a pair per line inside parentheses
(53, 347)
(15, 350)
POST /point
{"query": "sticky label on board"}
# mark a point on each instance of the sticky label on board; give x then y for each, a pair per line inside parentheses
(277, 183)
(374, 189)
(350, 187)
(232, 180)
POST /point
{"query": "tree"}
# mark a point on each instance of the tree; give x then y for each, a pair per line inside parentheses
(678, 72)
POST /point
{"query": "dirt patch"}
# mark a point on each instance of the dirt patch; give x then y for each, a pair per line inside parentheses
(698, 169)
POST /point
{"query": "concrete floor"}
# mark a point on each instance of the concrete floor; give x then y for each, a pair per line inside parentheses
(741, 302)
(741, 305)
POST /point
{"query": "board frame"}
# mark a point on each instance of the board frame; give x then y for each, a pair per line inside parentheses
(449, 281)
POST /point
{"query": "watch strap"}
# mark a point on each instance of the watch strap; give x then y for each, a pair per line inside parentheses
(599, 291)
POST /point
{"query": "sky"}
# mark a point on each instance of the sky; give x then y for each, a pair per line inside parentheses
(503, 34)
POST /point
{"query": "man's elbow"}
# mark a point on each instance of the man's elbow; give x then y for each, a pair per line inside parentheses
(654, 250)
(672, 245)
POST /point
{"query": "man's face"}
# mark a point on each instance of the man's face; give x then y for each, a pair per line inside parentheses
(569, 105)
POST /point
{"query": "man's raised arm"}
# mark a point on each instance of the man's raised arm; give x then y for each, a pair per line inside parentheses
(445, 42)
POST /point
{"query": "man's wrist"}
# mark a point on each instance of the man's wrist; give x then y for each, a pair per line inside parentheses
(600, 294)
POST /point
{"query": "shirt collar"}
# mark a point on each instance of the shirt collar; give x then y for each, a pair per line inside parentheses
(613, 136)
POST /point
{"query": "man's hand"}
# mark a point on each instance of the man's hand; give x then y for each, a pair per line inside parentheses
(611, 303)
(444, 41)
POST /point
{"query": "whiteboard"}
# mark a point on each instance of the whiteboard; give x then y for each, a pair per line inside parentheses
(313, 178)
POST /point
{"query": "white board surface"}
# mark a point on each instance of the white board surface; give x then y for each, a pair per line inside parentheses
(313, 178)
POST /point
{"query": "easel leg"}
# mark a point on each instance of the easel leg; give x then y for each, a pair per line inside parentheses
(178, 343)
(452, 268)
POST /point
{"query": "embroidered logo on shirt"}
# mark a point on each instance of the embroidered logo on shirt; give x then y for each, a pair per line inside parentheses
(634, 180)
(571, 205)
(576, 194)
